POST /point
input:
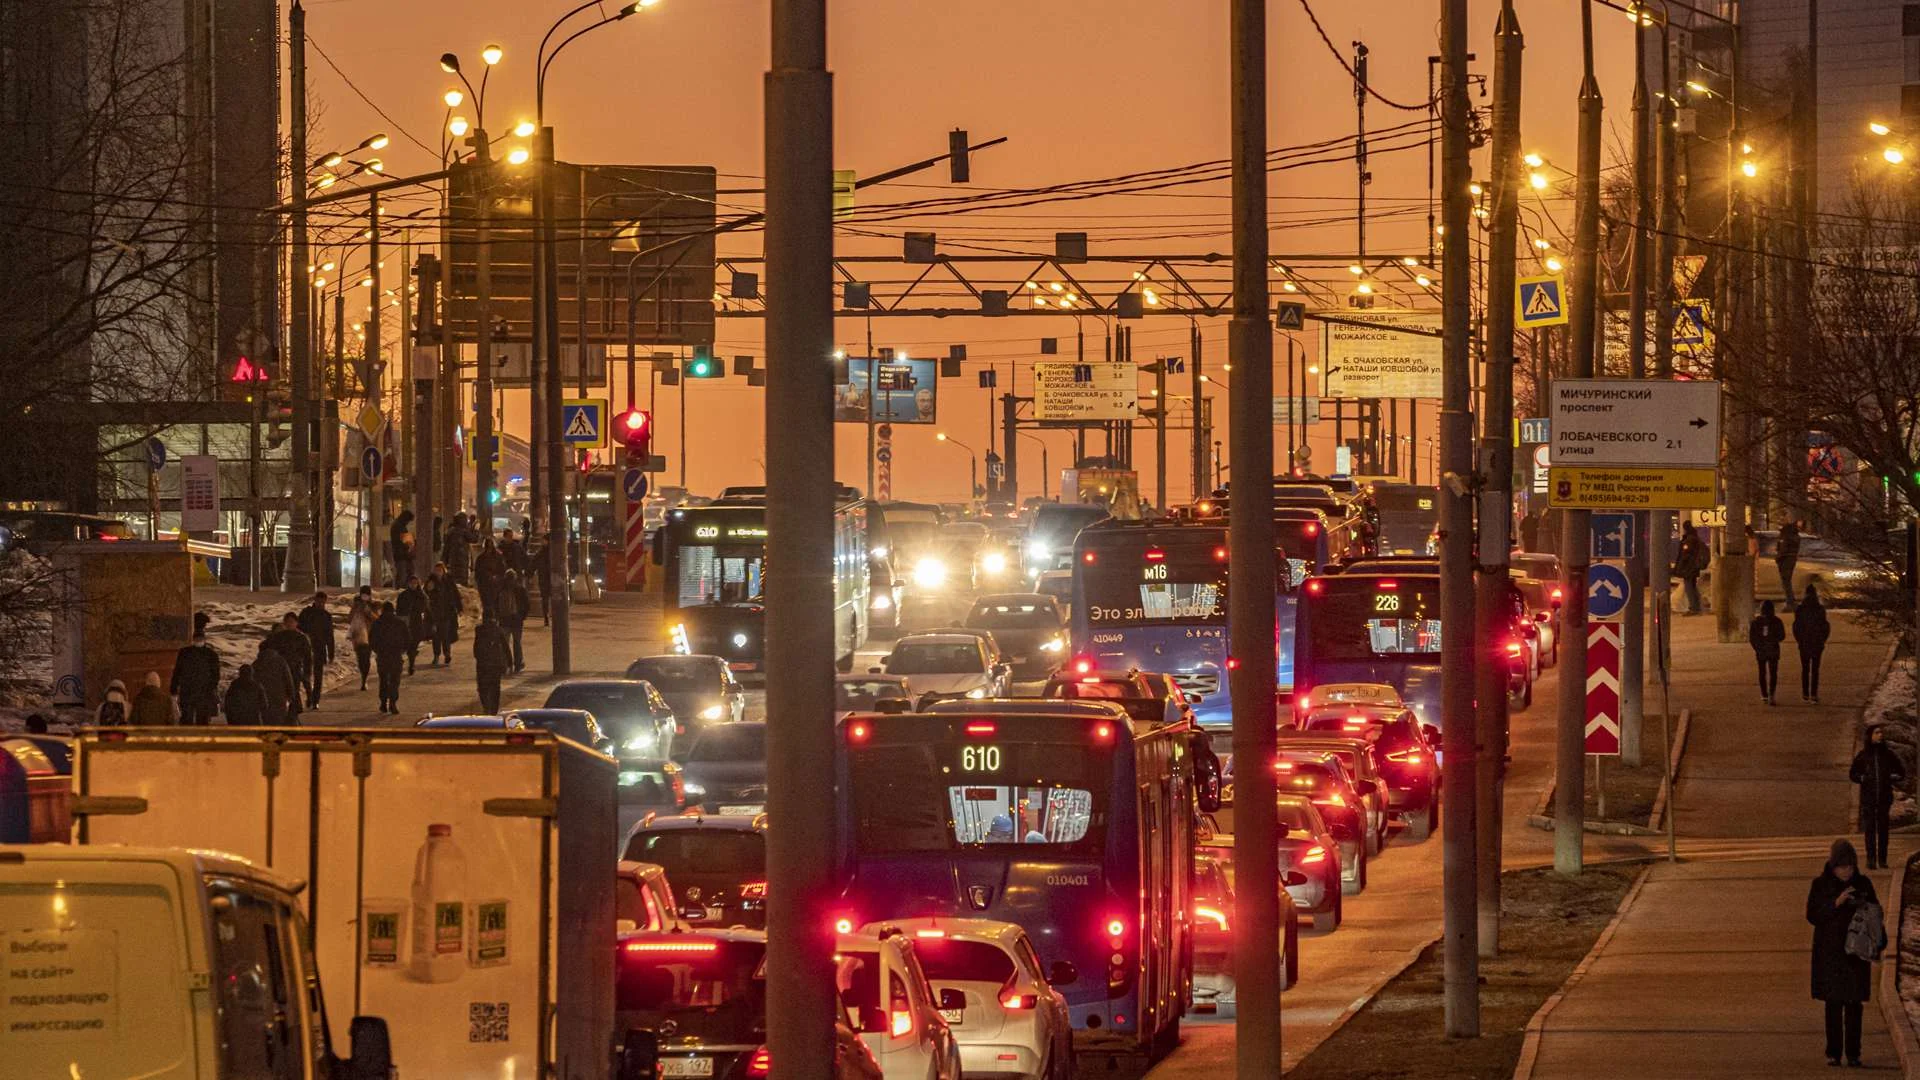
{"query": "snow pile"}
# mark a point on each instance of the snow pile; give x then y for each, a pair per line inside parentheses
(28, 585)
(1908, 977)
(1892, 707)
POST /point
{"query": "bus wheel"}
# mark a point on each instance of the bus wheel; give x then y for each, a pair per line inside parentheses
(1420, 825)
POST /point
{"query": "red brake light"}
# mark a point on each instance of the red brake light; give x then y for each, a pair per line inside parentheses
(1232, 664)
(981, 727)
(1556, 593)
(1082, 666)
(1156, 555)
(1513, 648)
(1014, 999)
(843, 925)
(753, 890)
(902, 1023)
(1102, 731)
(1313, 528)
(858, 731)
(1219, 554)
(679, 947)
(1086, 557)
(760, 1064)
(1405, 757)
(1332, 799)
(1214, 915)
(1315, 588)
(1116, 927)
(929, 933)
(1314, 854)
(1386, 584)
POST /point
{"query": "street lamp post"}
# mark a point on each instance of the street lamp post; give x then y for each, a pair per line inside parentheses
(973, 464)
(484, 476)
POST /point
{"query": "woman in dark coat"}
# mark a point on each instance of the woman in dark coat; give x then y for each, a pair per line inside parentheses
(1765, 633)
(246, 702)
(1877, 769)
(1810, 632)
(412, 609)
(1841, 980)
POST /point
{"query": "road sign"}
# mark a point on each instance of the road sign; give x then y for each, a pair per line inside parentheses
(199, 492)
(1372, 354)
(473, 445)
(1612, 535)
(1296, 410)
(583, 422)
(370, 466)
(1636, 422)
(1604, 488)
(1542, 455)
(1536, 429)
(1541, 301)
(1607, 591)
(371, 421)
(1693, 326)
(635, 482)
(1290, 315)
(156, 454)
(883, 455)
(1603, 689)
(1106, 390)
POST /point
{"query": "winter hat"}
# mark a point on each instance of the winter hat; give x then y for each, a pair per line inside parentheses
(1842, 854)
(153, 678)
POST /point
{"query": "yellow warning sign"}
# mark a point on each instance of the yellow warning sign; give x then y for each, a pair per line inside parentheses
(1600, 488)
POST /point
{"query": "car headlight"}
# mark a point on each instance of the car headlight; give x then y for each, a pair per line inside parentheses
(639, 744)
(977, 692)
(740, 641)
(994, 563)
(712, 712)
(692, 788)
(877, 553)
(1053, 644)
(882, 601)
(680, 643)
(929, 573)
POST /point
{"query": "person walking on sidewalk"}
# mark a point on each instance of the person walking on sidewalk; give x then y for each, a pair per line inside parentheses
(1786, 552)
(1810, 632)
(412, 609)
(296, 649)
(246, 702)
(1688, 564)
(443, 611)
(514, 605)
(360, 630)
(456, 548)
(275, 676)
(317, 623)
(1841, 981)
(489, 570)
(1765, 633)
(196, 677)
(391, 639)
(1877, 769)
(491, 658)
(400, 546)
(152, 706)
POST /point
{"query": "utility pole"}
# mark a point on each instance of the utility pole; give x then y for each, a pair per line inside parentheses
(374, 364)
(1496, 467)
(427, 298)
(1660, 523)
(800, 642)
(557, 546)
(1160, 432)
(1459, 643)
(1199, 429)
(297, 578)
(1250, 544)
(1733, 571)
(1633, 620)
(1570, 774)
(484, 476)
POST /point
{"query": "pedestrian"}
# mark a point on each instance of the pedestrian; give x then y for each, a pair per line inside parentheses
(1765, 633)
(1689, 563)
(1530, 532)
(491, 658)
(456, 550)
(152, 706)
(246, 702)
(412, 609)
(196, 677)
(1786, 552)
(400, 543)
(1841, 980)
(293, 646)
(543, 573)
(489, 571)
(114, 708)
(278, 685)
(1810, 632)
(1877, 769)
(317, 623)
(515, 553)
(360, 630)
(443, 608)
(514, 605)
(391, 638)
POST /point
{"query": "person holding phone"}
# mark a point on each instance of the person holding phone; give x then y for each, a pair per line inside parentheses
(1841, 981)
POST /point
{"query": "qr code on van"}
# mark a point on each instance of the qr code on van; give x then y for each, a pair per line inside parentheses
(486, 1021)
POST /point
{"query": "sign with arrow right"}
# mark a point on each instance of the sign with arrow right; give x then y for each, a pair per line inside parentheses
(1635, 423)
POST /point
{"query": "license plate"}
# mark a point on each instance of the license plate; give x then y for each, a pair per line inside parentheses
(715, 913)
(743, 665)
(744, 810)
(698, 1066)
(952, 1016)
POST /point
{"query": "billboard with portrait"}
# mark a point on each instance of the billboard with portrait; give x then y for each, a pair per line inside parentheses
(888, 391)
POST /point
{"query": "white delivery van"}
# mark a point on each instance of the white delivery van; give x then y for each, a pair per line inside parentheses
(434, 862)
(157, 962)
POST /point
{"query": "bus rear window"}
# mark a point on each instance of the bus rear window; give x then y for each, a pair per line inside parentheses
(1363, 619)
(966, 793)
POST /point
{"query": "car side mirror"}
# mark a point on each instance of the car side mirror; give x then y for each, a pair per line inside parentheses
(1340, 831)
(1432, 733)
(371, 1056)
(951, 998)
(872, 1020)
(693, 912)
(1063, 973)
(1365, 787)
(1292, 879)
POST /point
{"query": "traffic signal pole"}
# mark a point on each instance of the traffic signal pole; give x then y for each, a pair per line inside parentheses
(297, 578)
(1633, 620)
(560, 604)
(1250, 543)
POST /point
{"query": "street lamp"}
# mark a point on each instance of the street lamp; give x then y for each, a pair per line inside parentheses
(973, 464)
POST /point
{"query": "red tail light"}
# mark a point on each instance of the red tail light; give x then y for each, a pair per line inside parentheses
(1232, 664)
(1513, 648)
(1386, 584)
(753, 890)
(1333, 799)
(1014, 999)
(760, 1064)
(1219, 554)
(682, 948)
(1314, 854)
(858, 731)
(1116, 926)
(1313, 528)
(1315, 588)
(1405, 757)
(981, 727)
(902, 1023)
(1213, 915)
(1087, 557)
(1156, 555)
(1082, 666)
(843, 925)
(1102, 731)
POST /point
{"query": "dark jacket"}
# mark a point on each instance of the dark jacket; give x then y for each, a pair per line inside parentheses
(489, 568)
(443, 600)
(514, 603)
(456, 550)
(151, 708)
(1836, 975)
(412, 607)
(246, 701)
(196, 675)
(1876, 768)
(397, 532)
(1787, 547)
(1692, 559)
(294, 648)
(1810, 626)
(1765, 633)
(492, 654)
(390, 637)
(317, 623)
(276, 682)
(515, 553)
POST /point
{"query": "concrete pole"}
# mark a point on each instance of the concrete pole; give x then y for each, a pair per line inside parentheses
(428, 271)
(1570, 775)
(484, 469)
(376, 381)
(1250, 543)
(1160, 432)
(298, 576)
(1633, 621)
(800, 645)
(560, 605)
(1660, 526)
(1199, 433)
(1496, 465)
(1459, 642)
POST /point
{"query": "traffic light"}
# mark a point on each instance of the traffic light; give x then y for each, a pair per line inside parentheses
(702, 365)
(634, 428)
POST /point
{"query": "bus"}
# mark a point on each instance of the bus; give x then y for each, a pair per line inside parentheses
(1373, 627)
(715, 560)
(1405, 518)
(1080, 830)
(1154, 597)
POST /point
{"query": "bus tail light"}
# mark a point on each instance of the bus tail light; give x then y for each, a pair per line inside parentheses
(1212, 915)
(1087, 557)
(1232, 664)
(1313, 528)
(843, 925)
(1156, 555)
(1083, 665)
(1102, 731)
(760, 1064)
(1014, 999)
(902, 1022)
(1314, 854)
(981, 727)
(858, 731)
(1316, 587)
(1386, 583)
(1219, 554)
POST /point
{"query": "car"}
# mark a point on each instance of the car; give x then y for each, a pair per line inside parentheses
(884, 988)
(1014, 1022)
(40, 531)
(726, 769)
(643, 899)
(1309, 848)
(717, 863)
(699, 688)
(1214, 912)
(1324, 781)
(1342, 695)
(1179, 706)
(1356, 754)
(943, 666)
(578, 725)
(1405, 752)
(471, 723)
(944, 563)
(631, 711)
(1537, 565)
(1059, 585)
(1028, 626)
(1543, 606)
(1128, 689)
(871, 693)
(1521, 647)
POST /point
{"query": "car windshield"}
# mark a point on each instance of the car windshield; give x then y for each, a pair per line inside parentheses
(602, 701)
(951, 960)
(1036, 613)
(684, 852)
(675, 674)
(1101, 691)
(866, 693)
(575, 725)
(656, 975)
(1298, 818)
(731, 742)
(1209, 877)
(1535, 592)
(936, 658)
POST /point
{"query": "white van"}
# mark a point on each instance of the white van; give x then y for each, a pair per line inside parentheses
(155, 962)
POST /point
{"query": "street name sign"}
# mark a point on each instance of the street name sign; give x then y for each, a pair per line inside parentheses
(1296, 410)
(1603, 689)
(1372, 354)
(1654, 422)
(1100, 390)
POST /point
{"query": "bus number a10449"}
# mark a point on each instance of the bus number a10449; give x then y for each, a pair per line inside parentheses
(979, 759)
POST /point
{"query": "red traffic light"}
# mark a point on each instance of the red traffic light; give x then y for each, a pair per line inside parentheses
(635, 430)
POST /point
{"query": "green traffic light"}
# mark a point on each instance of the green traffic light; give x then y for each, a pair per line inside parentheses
(493, 496)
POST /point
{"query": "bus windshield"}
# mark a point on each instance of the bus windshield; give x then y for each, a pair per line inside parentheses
(952, 794)
(719, 575)
(1370, 618)
(1302, 539)
(1407, 516)
(1177, 583)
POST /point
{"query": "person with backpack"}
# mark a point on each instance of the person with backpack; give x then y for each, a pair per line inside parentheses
(491, 658)
(1877, 769)
(514, 606)
(196, 677)
(412, 609)
(1810, 633)
(246, 702)
(282, 691)
(1765, 633)
(152, 706)
(389, 640)
(1689, 563)
(360, 630)
(1842, 981)
(115, 709)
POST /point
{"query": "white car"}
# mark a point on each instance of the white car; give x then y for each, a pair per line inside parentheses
(1014, 1022)
(895, 1010)
(946, 666)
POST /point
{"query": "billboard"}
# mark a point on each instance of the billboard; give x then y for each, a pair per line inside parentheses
(894, 390)
(1369, 354)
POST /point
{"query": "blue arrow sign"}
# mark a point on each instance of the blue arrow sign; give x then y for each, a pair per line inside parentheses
(1612, 535)
(370, 465)
(156, 454)
(636, 484)
(1607, 591)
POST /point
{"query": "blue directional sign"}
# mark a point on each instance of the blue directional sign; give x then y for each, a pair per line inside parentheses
(1536, 429)
(1607, 590)
(370, 464)
(636, 484)
(1612, 535)
(883, 455)
(156, 454)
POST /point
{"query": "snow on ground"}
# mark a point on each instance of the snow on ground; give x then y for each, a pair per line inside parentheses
(1908, 980)
(1892, 706)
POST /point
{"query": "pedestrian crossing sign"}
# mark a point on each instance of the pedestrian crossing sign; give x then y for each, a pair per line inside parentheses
(583, 422)
(1542, 301)
(1692, 327)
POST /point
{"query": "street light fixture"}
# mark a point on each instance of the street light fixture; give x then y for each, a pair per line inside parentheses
(453, 98)
(973, 463)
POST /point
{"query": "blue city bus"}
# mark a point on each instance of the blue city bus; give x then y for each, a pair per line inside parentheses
(1154, 597)
(1078, 829)
(1374, 627)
